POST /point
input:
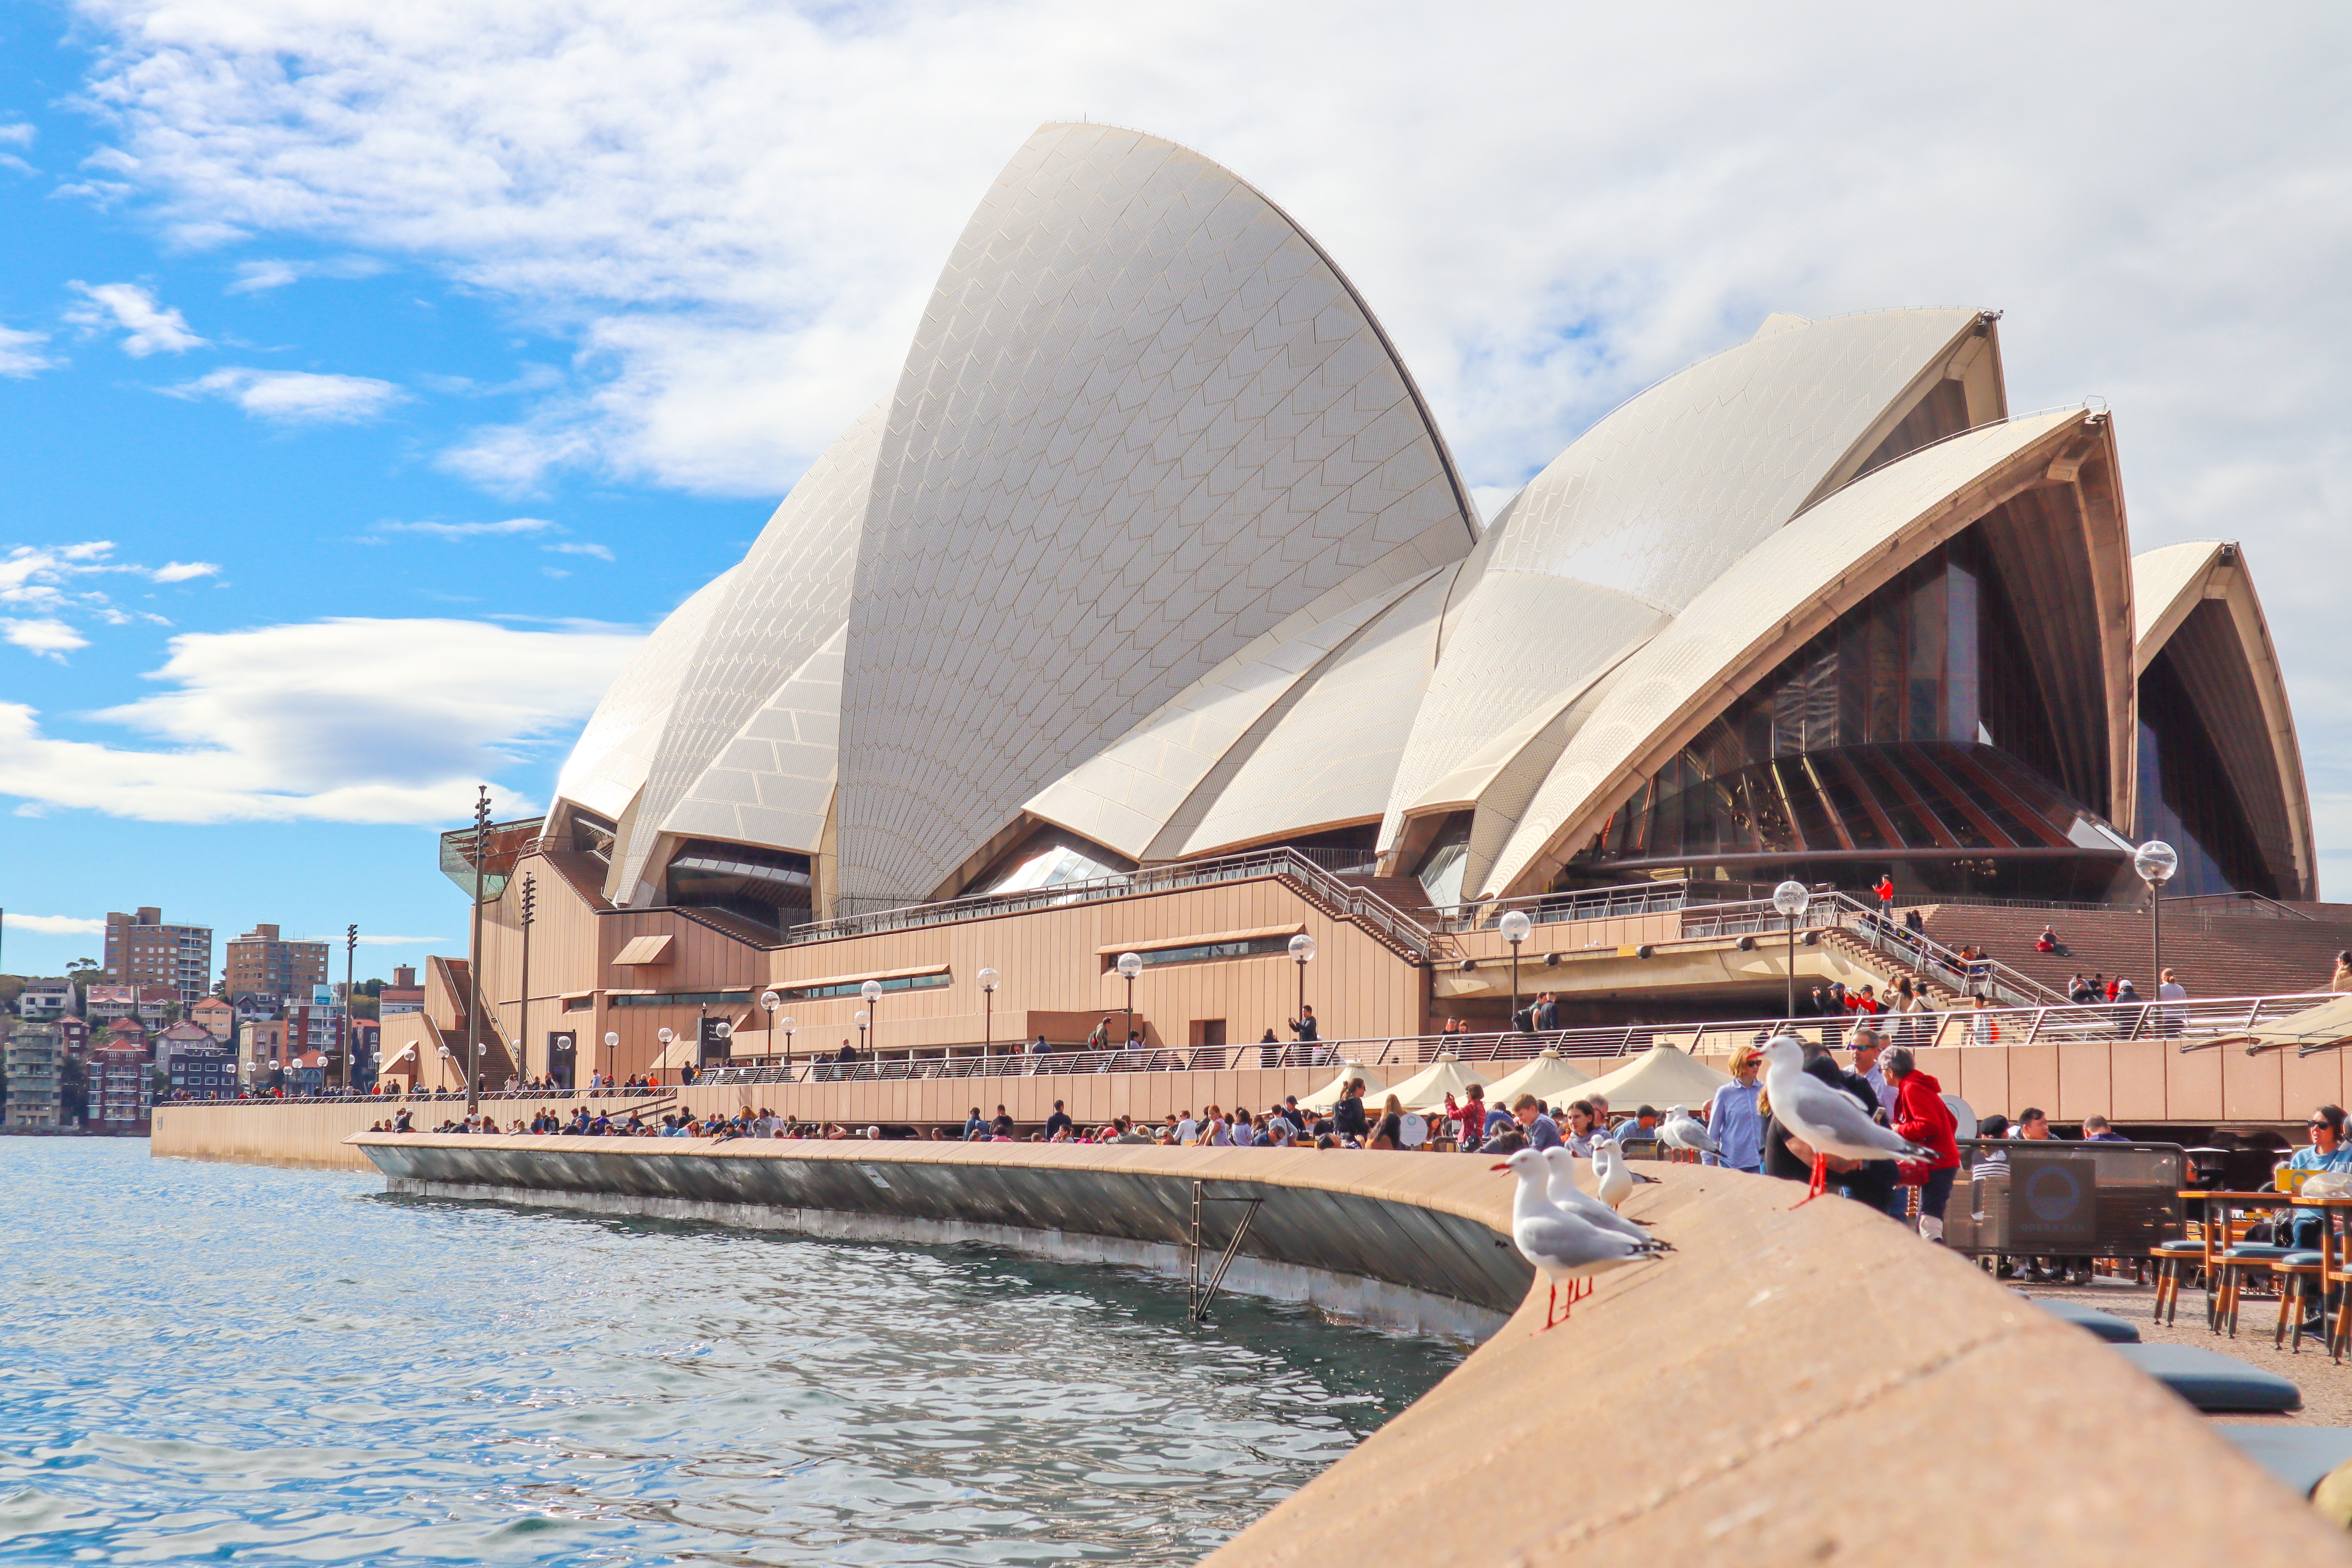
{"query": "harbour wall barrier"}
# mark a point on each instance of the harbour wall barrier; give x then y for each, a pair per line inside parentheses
(1789, 1386)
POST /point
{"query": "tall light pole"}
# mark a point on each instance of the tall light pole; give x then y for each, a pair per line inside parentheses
(665, 1035)
(350, 992)
(472, 1066)
(1302, 949)
(522, 1002)
(988, 979)
(1515, 927)
(1130, 964)
(872, 992)
(611, 1044)
(862, 1019)
(2155, 861)
(769, 1003)
(1792, 899)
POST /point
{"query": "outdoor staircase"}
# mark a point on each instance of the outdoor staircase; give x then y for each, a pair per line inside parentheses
(2240, 950)
(1889, 969)
(1361, 901)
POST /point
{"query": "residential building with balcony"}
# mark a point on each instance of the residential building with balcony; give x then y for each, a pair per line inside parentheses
(261, 961)
(34, 1055)
(141, 950)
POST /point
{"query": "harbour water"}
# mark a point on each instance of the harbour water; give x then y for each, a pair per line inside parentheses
(206, 1362)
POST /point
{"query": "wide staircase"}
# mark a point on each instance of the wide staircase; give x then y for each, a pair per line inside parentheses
(1940, 996)
(2235, 949)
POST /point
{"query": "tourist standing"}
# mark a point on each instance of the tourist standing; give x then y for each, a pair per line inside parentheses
(1921, 1116)
(1732, 1119)
(2169, 989)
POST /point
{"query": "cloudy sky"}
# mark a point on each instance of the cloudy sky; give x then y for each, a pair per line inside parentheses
(371, 376)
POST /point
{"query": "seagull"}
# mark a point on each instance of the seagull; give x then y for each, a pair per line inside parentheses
(1616, 1182)
(1564, 1246)
(1828, 1120)
(1681, 1129)
(1565, 1194)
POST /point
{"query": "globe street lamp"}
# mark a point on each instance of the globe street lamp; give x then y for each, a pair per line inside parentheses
(872, 992)
(2155, 861)
(722, 1031)
(666, 1034)
(612, 1044)
(1302, 949)
(1130, 964)
(861, 1020)
(1515, 927)
(785, 1022)
(988, 979)
(1792, 899)
(769, 1002)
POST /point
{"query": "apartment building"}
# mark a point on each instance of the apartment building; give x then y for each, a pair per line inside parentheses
(33, 1054)
(263, 962)
(46, 999)
(120, 1094)
(140, 950)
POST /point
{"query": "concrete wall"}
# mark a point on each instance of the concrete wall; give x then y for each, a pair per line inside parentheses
(1724, 1400)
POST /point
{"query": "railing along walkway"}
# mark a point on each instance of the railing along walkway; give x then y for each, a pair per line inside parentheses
(1916, 950)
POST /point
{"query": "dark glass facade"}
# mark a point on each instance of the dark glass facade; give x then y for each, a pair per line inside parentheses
(771, 888)
(1897, 739)
(2186, 798)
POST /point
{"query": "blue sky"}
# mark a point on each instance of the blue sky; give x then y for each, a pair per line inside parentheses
(408, 364)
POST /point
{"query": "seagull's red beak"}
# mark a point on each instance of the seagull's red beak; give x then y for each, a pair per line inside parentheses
(1504, 1165)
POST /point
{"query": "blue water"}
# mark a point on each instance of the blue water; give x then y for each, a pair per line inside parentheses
(205, 1363)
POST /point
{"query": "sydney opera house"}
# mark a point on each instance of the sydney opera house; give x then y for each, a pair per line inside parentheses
(1150, 614)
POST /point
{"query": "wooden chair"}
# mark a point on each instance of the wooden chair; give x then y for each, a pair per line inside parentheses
(2173, 1260)
(2235, 1263)
(2301, 1276)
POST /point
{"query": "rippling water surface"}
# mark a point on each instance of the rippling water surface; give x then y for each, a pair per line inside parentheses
(229, 1364)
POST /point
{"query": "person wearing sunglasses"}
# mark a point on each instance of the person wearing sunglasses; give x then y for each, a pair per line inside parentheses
(2327, 1151)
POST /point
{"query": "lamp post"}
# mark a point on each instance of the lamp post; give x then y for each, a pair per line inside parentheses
(1130, 964)
(1792, 899)
(522, 1004)
(1515, 927)
(351, 956)
(2155, 861)
(666, 1034)
(1302, 949)
(988, 979)
(446, 1056)
(872, 992)
(862, 1019)
(612, 1044)
(769, 1003)
(722, 1031)
(472, 1065)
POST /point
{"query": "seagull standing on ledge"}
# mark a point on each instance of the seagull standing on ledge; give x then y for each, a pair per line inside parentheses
(1683, 1131)
(1566, 1194)
(1829, 1120)
(1565, 1246)
(1616, 1182)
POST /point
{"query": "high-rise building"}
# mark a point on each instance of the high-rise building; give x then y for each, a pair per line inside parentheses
(261, 961)
(140, 950)
(33, 1054)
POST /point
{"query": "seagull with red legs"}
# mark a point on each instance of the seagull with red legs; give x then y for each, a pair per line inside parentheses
(1829, 1120)
(1566, 1246)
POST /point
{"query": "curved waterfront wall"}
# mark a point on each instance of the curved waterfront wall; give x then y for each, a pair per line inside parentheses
(1810, 1385)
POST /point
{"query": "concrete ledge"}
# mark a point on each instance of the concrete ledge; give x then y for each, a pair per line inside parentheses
(1812, 1385)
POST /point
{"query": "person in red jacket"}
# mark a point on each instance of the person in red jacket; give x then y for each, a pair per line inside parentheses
(1921, 1116)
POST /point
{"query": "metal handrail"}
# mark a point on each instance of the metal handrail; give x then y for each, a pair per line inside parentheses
(2193, 1023)
(1351, 901)
(1581, 904)
(1968, 976)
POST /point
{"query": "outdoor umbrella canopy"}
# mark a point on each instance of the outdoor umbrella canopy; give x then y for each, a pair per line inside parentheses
(1324, 1099)
(1427, 1089)
(1661, 1076)
(1547, 1078)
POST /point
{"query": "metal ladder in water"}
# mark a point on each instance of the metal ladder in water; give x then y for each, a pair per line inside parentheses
(1198, 1291)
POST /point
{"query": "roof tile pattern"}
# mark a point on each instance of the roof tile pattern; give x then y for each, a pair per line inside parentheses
(1144, 421)
(788, 596)
(770, 783)
(609, 762)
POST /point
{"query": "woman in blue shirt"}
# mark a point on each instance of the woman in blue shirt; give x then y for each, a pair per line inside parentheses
(2325, 1152)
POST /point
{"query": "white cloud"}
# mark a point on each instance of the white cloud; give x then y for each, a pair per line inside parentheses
(150, 327)
(598, 550)
(341, 720)
(54, 925)
(260, 277)
(184, 571)
(735, 210)
(454, 530)
(47, 636)
(20, 352)
(18, 134)
(296, 397)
